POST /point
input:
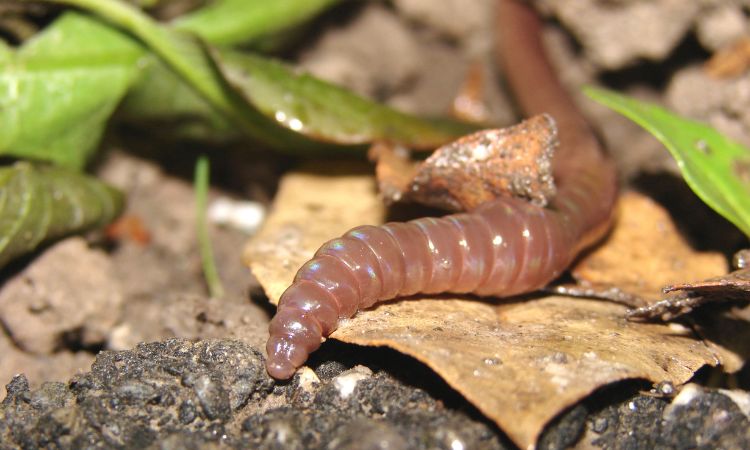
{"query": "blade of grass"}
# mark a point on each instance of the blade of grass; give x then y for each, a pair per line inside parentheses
(714, 166)
(215, 289)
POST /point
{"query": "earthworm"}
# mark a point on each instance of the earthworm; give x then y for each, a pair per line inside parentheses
(504, 247)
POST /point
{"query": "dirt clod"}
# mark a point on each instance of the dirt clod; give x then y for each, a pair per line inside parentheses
(514, 161)
(69, 292)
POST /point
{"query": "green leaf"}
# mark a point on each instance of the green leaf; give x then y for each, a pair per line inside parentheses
(160, 99)
(58, 90)
(230, 22)
(273, 95)
(185, 55)
(716, 168)
(326, 112)
(39, 204)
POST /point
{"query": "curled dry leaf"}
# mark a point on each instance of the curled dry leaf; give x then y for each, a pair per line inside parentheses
(520, 361)
(513, 161)
(734, 284)
(684, 297)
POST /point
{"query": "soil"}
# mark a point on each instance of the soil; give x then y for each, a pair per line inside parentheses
(89, 381)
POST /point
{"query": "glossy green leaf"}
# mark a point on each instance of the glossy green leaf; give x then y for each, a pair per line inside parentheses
(326, 112)
(160, 98)
(230, 22)
(189, 58)
(58, 90)
(274, 100)
(39, 204)
(716, 168)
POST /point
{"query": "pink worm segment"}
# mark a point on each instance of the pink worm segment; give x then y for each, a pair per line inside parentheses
(504, 247)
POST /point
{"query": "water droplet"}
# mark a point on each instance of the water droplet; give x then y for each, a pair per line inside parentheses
(295, 124)
(741, 259)
(665, 388)
(703, 146)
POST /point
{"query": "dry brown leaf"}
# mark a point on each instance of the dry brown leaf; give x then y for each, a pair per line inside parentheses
(735, 283)
(684, 297)
(644, 253)
(520, 362)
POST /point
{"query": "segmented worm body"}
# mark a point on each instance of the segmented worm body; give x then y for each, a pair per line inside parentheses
(504, 247)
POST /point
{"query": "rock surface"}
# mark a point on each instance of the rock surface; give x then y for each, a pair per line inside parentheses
(177, 394)
(216, 394)
(68, 292)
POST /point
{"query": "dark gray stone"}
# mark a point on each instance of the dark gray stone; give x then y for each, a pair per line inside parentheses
(216, 394)
(709, 420)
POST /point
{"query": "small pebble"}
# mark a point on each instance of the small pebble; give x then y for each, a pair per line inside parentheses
(245, 216)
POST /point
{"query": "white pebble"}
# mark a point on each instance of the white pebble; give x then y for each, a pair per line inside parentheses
(347, 381)
(246, 216)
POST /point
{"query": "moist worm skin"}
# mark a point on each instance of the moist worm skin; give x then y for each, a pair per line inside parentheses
(504, 247)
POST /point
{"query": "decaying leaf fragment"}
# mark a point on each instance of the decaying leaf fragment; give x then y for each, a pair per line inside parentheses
(682, 298)
(513, 161)
(734, 284)
(520, 361)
